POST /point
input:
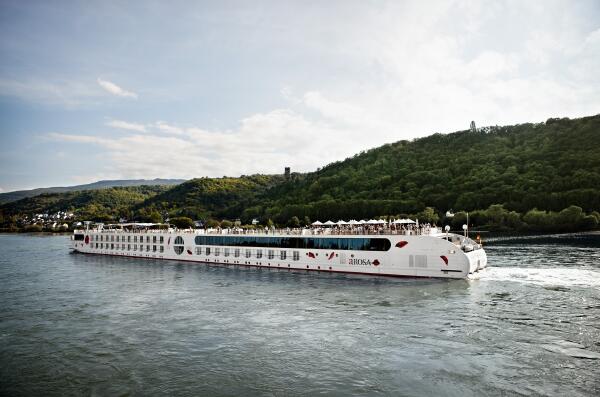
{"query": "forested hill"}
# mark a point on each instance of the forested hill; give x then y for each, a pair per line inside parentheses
(106, 205)
(548, 166)
(21, 194)
(206, 198)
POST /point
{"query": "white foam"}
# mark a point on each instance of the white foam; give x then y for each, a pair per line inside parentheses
(543, 276)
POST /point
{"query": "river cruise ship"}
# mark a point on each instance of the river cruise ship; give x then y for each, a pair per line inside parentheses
(415, 252)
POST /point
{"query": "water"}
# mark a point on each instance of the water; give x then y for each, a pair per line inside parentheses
(92, 325)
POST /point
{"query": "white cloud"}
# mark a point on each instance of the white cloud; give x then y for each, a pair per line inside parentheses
(79, 138)
(169, 129)
(124, 125)
(261, 144)
(70, 94)
(115, 89)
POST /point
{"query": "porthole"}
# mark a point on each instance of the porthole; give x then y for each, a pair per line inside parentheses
(178, 245)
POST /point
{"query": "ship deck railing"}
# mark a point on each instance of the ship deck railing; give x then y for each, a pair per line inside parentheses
(421, 231)
(458, 240)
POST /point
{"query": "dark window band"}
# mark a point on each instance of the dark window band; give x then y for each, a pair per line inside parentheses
(356, 244)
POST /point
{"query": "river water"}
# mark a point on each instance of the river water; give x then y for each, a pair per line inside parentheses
(92, 325)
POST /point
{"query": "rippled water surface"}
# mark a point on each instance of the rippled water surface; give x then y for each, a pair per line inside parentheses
(93, 325)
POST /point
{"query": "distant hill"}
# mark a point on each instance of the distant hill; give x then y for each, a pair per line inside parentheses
(106, 204)
(20, 194)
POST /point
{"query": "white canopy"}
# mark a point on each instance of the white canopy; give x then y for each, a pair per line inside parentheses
(403, 221)
(317, 223)
(329, 223)
(372, 222)
(341, 223)
(361, 222)
(353, 222)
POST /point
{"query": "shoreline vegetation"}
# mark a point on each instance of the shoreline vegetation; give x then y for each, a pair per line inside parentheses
(495, 219)
(527, 178)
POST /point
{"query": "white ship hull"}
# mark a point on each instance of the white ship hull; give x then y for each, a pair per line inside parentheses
(432, 256)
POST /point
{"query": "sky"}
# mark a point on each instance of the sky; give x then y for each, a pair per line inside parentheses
(143, 89)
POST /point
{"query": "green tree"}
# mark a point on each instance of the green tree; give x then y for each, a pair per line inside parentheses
(182, 222)
(212, 223)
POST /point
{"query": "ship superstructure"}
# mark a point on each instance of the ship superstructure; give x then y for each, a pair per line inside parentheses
(409, 253)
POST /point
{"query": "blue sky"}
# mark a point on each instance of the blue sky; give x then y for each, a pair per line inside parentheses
(118, 90)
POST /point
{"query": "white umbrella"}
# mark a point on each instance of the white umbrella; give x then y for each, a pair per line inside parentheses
(353, 222)
(329, 223)
(361, 222)
(372, 222)
(317, 223)
(341, 223)
(381, 222)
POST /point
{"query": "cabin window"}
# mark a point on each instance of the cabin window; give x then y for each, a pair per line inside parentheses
(207, 250)
(258, 254)
(128, 247)
(154, 248)
(135, 239)
(236, 252)
(217, 251)
(162, 248)
(162, 240)
(226, 251)
(248, 253)
(282, 255)
(134, 247)
(198, 250)
(154, 239)
(296, 255)
(271, 254)
(78, 237)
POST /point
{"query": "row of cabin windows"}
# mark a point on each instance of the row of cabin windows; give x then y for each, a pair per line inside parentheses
(128, 239)
(216, 251)
(129, 247)
(356, 244)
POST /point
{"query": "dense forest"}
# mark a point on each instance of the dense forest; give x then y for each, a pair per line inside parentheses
(539, 177)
